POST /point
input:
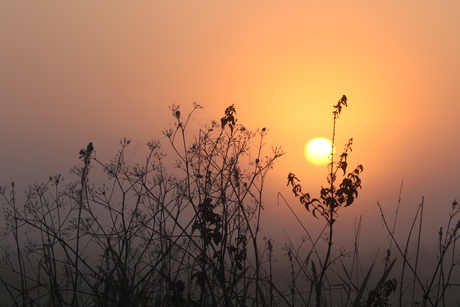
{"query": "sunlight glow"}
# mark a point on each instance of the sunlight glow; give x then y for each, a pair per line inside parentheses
(317, 150)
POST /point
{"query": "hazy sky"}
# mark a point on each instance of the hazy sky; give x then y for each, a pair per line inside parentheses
(78, 71)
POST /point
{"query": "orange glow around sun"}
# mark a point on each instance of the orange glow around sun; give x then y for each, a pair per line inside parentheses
(318, 150)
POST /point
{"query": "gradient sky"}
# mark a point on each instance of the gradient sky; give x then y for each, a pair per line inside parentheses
(78, 71)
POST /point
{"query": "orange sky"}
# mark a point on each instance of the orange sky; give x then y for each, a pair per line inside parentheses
(80, 71)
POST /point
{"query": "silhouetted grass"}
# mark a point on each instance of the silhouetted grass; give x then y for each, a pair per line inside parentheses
(185, 230)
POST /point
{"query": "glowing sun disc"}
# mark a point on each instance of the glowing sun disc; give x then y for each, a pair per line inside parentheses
(317, 150)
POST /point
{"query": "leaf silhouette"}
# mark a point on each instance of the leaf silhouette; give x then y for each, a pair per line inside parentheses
(343, 166)
(223, 122)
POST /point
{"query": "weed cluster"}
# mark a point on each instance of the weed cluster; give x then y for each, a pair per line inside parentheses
(150, 237)
(187, 232)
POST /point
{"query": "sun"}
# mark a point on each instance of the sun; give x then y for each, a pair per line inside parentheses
(318, 150)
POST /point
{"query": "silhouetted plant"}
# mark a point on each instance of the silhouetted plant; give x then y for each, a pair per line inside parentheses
(185, 231)
(224, 185)
(331, 199)
(150, 236)
(433, 290)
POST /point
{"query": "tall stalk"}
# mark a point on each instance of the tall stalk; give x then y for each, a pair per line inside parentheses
(18, 246)
(86, 156)
(331, 199)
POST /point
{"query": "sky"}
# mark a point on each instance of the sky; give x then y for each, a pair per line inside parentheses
(72, 72)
